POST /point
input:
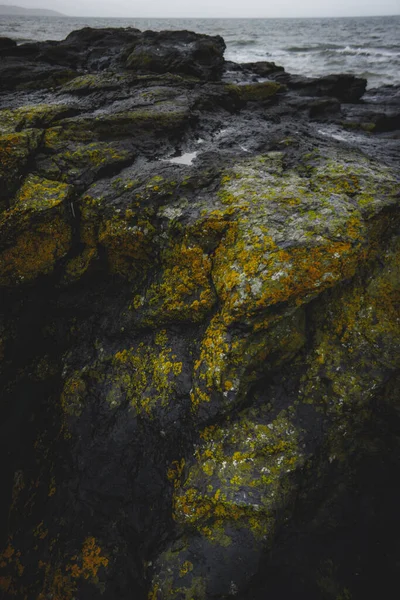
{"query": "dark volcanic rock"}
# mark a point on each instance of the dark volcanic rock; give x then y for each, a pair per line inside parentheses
(181, 52)
(344, 87)
(199, 333)
(324, 107)
(6, 43)
(263, 68)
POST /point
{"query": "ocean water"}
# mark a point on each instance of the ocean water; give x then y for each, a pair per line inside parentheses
(368, 46)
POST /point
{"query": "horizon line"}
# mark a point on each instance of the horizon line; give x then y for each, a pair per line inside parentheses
(219, 18)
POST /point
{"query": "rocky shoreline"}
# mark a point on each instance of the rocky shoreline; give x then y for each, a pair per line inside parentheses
(199, 330)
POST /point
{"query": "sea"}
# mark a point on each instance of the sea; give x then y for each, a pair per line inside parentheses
(365, 46)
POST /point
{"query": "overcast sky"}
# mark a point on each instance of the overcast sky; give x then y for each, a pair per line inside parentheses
(215, 8)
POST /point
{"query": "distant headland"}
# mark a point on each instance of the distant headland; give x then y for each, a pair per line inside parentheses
(32, 12)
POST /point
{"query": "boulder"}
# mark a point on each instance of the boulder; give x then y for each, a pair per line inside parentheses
(180, 52)
(343, 87)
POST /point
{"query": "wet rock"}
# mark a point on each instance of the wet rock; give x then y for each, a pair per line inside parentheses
(324, 107)
(178, 52)
(344, 87)
(199, 336)
(262, 68)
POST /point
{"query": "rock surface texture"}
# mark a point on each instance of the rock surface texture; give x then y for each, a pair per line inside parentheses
(199, 330)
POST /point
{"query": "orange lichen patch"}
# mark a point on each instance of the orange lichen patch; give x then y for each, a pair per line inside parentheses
(129, 247)
(184, 291)
(57, 584)
(215, 348)
(10, 559)
(8, 553)
(175, 472)
(35, 252)
(154, 592)
(40, 531)
(62, 582)
(6, 585)
(90, 561)
(323, 235)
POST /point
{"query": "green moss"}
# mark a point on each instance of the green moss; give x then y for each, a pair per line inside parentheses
(163, 116)
(27, 117)
(367, 127)
(93, 82)
(56, 79)
(69, 160)
(140, 61)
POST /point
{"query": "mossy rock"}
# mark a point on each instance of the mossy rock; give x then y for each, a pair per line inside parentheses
(48, 80)
(229, 499)
(164, 116)
(93, 82)
(39, 116)
(70, 161)
(35, 232)
(15, 151)
(256, 92)
(368, 127)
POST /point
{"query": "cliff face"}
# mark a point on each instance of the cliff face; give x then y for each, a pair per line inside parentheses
(200, 335)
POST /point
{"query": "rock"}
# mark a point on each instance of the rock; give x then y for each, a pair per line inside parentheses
(262, 68)
(199, 334)
(180, 52)
(6, 43)
(344, 87)
(324, 107)
(256, 91)
(17, 73)
(15, 152)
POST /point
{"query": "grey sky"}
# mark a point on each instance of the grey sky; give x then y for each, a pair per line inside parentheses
(215, 8)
